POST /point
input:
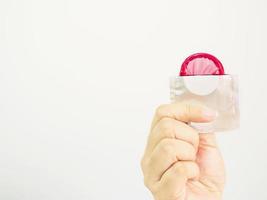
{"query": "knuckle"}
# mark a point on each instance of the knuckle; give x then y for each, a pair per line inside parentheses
(143, 163)
(160, 110)
(146, 182)
(146, 175)
(179, 168)
(195, 137)
(189, 152)
(167, 147)
(175, 150)
(166, 126)
(146, 164)
(149, 184)
(191, 134)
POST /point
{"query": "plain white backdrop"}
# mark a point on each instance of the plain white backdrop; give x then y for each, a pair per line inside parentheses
(80, 79)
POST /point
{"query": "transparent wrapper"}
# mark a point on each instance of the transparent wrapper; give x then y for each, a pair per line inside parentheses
(219, 93)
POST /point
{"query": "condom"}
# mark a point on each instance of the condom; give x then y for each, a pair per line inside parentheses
(201, 64)
(202, 79)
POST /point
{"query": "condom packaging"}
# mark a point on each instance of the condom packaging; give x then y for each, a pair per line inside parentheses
(202, 80)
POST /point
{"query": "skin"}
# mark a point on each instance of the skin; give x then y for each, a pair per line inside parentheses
(178, 162)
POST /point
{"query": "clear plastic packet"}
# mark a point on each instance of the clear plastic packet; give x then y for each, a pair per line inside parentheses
(219, 93)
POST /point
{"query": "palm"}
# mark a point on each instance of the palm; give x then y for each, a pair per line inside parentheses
(210, 183)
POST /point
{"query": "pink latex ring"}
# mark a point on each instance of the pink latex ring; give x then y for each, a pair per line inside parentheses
(201, 64)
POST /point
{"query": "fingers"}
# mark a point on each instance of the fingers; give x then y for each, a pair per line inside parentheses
(173, 182)
(173, 129)
(167, 153)
(185, 112)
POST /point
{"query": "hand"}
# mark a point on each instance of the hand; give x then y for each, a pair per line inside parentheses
(179, 163)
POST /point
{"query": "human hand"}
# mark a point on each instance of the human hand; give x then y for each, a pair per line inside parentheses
(179, 163)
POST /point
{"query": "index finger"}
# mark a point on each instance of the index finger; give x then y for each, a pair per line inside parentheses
(185, 112)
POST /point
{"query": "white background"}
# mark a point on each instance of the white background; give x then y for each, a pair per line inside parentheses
(79, 82)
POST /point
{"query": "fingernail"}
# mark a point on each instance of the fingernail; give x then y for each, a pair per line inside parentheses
(209, 114)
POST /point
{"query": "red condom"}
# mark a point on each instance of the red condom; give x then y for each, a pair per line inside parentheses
(201, 64)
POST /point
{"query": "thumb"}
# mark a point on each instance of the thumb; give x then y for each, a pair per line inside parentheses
(210, 161)
(207, 141)
(208, 155)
